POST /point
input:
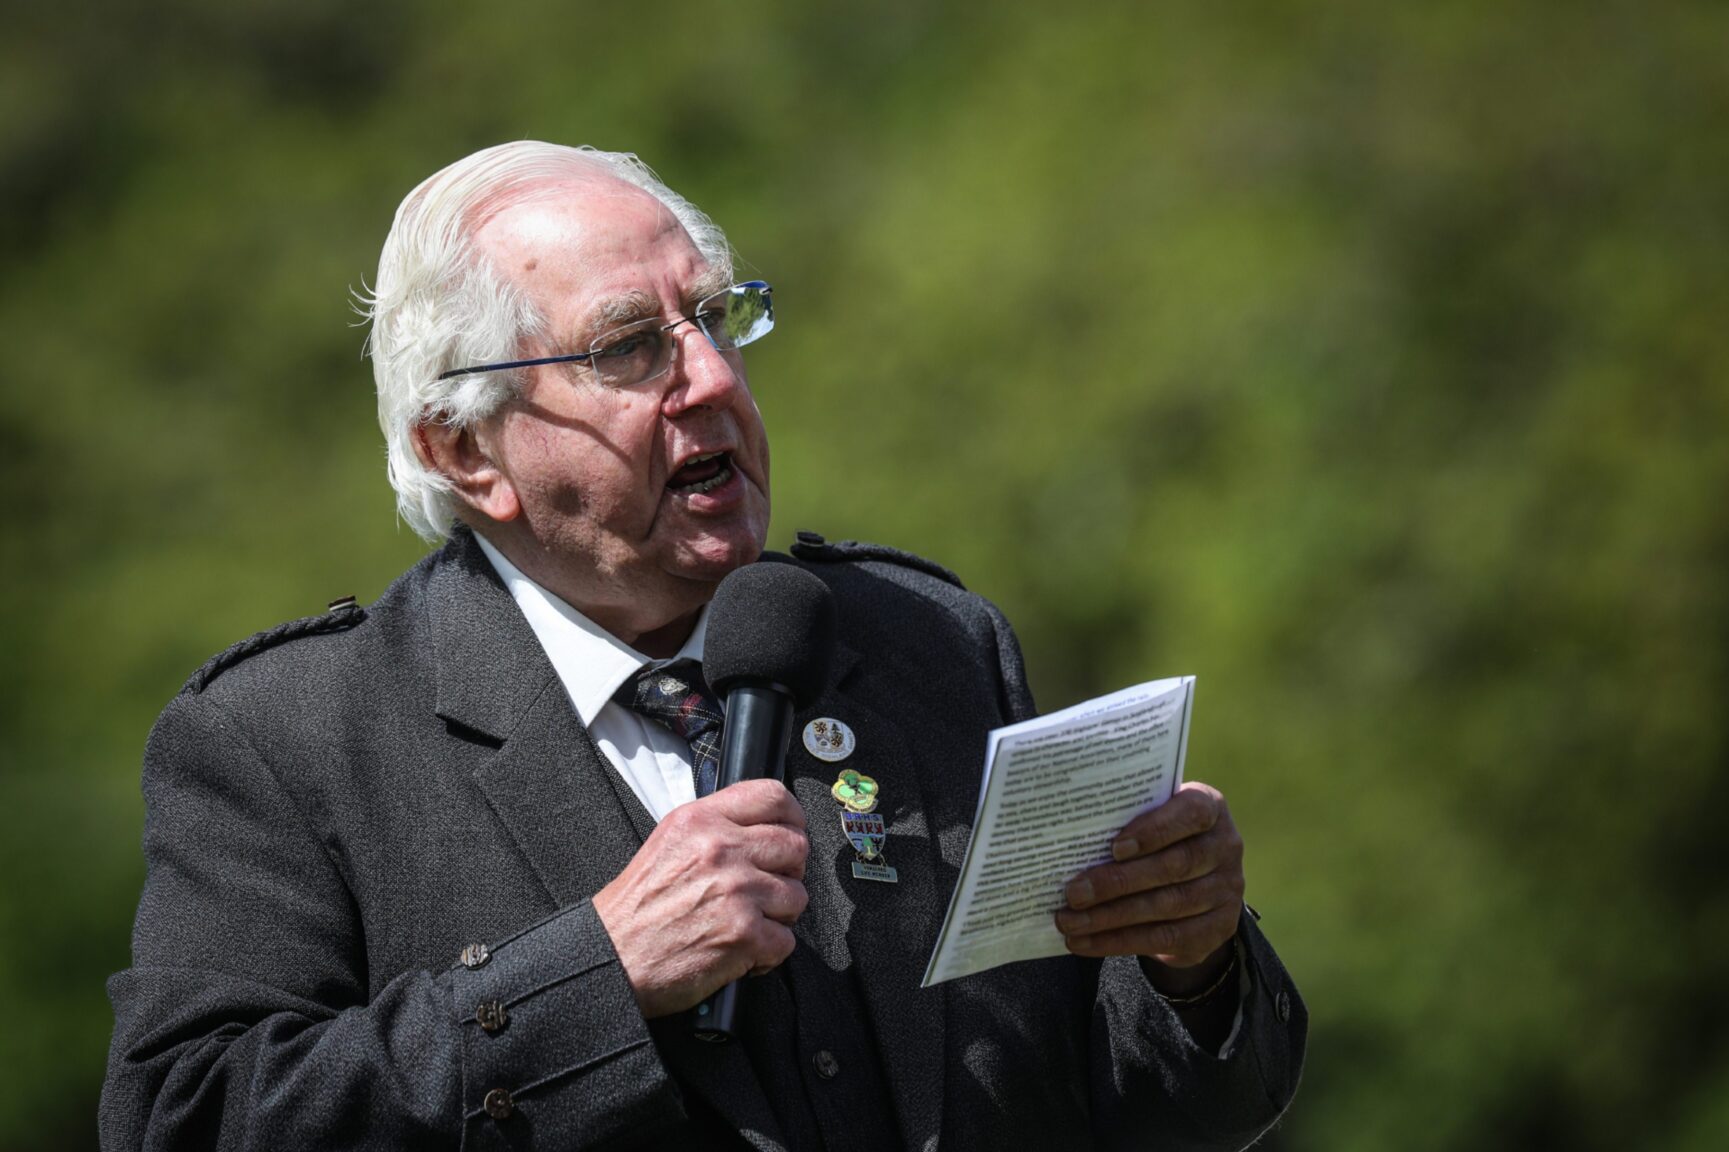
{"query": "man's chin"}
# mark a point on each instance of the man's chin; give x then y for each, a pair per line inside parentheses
(709, 559)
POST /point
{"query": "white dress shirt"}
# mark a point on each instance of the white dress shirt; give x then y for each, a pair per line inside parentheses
(592, 663)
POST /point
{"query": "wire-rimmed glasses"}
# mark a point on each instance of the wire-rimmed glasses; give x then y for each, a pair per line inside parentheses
(642, 351)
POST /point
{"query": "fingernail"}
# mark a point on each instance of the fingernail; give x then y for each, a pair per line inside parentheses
(1080, 892)
(1126, 847)
(1074, 921)
(1077, 943)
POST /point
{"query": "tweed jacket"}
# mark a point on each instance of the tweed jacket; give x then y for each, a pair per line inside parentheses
(366, 831)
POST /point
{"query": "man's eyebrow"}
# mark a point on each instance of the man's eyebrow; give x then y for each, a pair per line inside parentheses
(624, 308)
(629, 307)
(710, 282)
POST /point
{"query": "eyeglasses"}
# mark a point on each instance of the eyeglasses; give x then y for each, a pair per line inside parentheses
(640, 352)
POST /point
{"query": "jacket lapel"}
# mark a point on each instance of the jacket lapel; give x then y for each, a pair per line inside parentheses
(890, 929)
(547, 782)
(575, 820)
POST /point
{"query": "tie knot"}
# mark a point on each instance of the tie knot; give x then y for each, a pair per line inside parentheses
(675, 696)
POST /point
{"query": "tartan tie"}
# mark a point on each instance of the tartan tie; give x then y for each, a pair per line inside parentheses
(675, 695)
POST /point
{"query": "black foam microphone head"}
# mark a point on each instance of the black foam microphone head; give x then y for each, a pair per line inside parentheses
(770, 623)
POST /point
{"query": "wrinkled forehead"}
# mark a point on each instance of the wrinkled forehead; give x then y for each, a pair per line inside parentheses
(593, 251)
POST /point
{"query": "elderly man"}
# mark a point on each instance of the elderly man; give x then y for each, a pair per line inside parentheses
(440, 872)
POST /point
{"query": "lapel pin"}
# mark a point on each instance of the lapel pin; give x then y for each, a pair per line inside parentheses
(856, 791)
(867, 834)
(865, 828)
(829, 739)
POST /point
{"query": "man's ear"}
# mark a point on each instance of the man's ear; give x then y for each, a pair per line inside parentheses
(459, 455)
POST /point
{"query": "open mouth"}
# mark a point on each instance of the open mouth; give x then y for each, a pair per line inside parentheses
(701, 473)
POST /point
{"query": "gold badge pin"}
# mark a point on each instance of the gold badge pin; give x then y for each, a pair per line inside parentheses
(856, 791)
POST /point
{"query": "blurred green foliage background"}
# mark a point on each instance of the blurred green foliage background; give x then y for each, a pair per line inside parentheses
(1368, 361)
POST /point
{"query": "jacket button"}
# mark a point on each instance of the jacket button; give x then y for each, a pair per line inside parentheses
(498, 1104)
(826, 1065)
(1282, 1007)
(491, 1015)
(475, 955)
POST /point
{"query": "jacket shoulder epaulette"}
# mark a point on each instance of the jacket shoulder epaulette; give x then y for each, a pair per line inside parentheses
(810, 546)
(342, 615)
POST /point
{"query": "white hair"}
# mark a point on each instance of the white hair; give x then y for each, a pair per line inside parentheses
(438, 304)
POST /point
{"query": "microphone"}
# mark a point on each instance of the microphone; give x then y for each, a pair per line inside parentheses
(771, 634)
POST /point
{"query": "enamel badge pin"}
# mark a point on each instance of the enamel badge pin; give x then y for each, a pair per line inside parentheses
(828, 739)
(865, 831)
(856, 791)
(865, 828)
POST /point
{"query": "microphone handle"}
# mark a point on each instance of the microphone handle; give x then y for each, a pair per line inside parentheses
(753, 744)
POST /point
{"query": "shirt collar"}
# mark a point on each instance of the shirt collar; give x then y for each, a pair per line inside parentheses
(591, 661)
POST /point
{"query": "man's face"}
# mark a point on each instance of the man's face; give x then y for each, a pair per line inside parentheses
(619, 508)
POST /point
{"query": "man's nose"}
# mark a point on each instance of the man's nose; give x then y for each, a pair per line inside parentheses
(702, 375)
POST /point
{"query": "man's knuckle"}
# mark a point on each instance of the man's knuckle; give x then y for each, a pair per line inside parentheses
(1111, 881)
(780, 943)
(1213, 929)
(736, 923)
(788, 851)
(1110, 917)
(1147, 824)
(1180, 860)
(710, 853)
(1163, 938)
(1180, 900)
(1155, 905)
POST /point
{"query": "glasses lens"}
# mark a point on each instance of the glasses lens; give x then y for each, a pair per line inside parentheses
(739, 315)
(627, 356)
(732, 318)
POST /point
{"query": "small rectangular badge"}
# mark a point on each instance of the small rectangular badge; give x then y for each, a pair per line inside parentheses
(863, 871)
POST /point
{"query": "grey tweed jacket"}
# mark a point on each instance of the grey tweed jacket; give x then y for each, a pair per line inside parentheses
(339, 809)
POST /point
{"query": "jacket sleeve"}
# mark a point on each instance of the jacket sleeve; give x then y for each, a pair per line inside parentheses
(1150, 1078)
(245, 1020)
